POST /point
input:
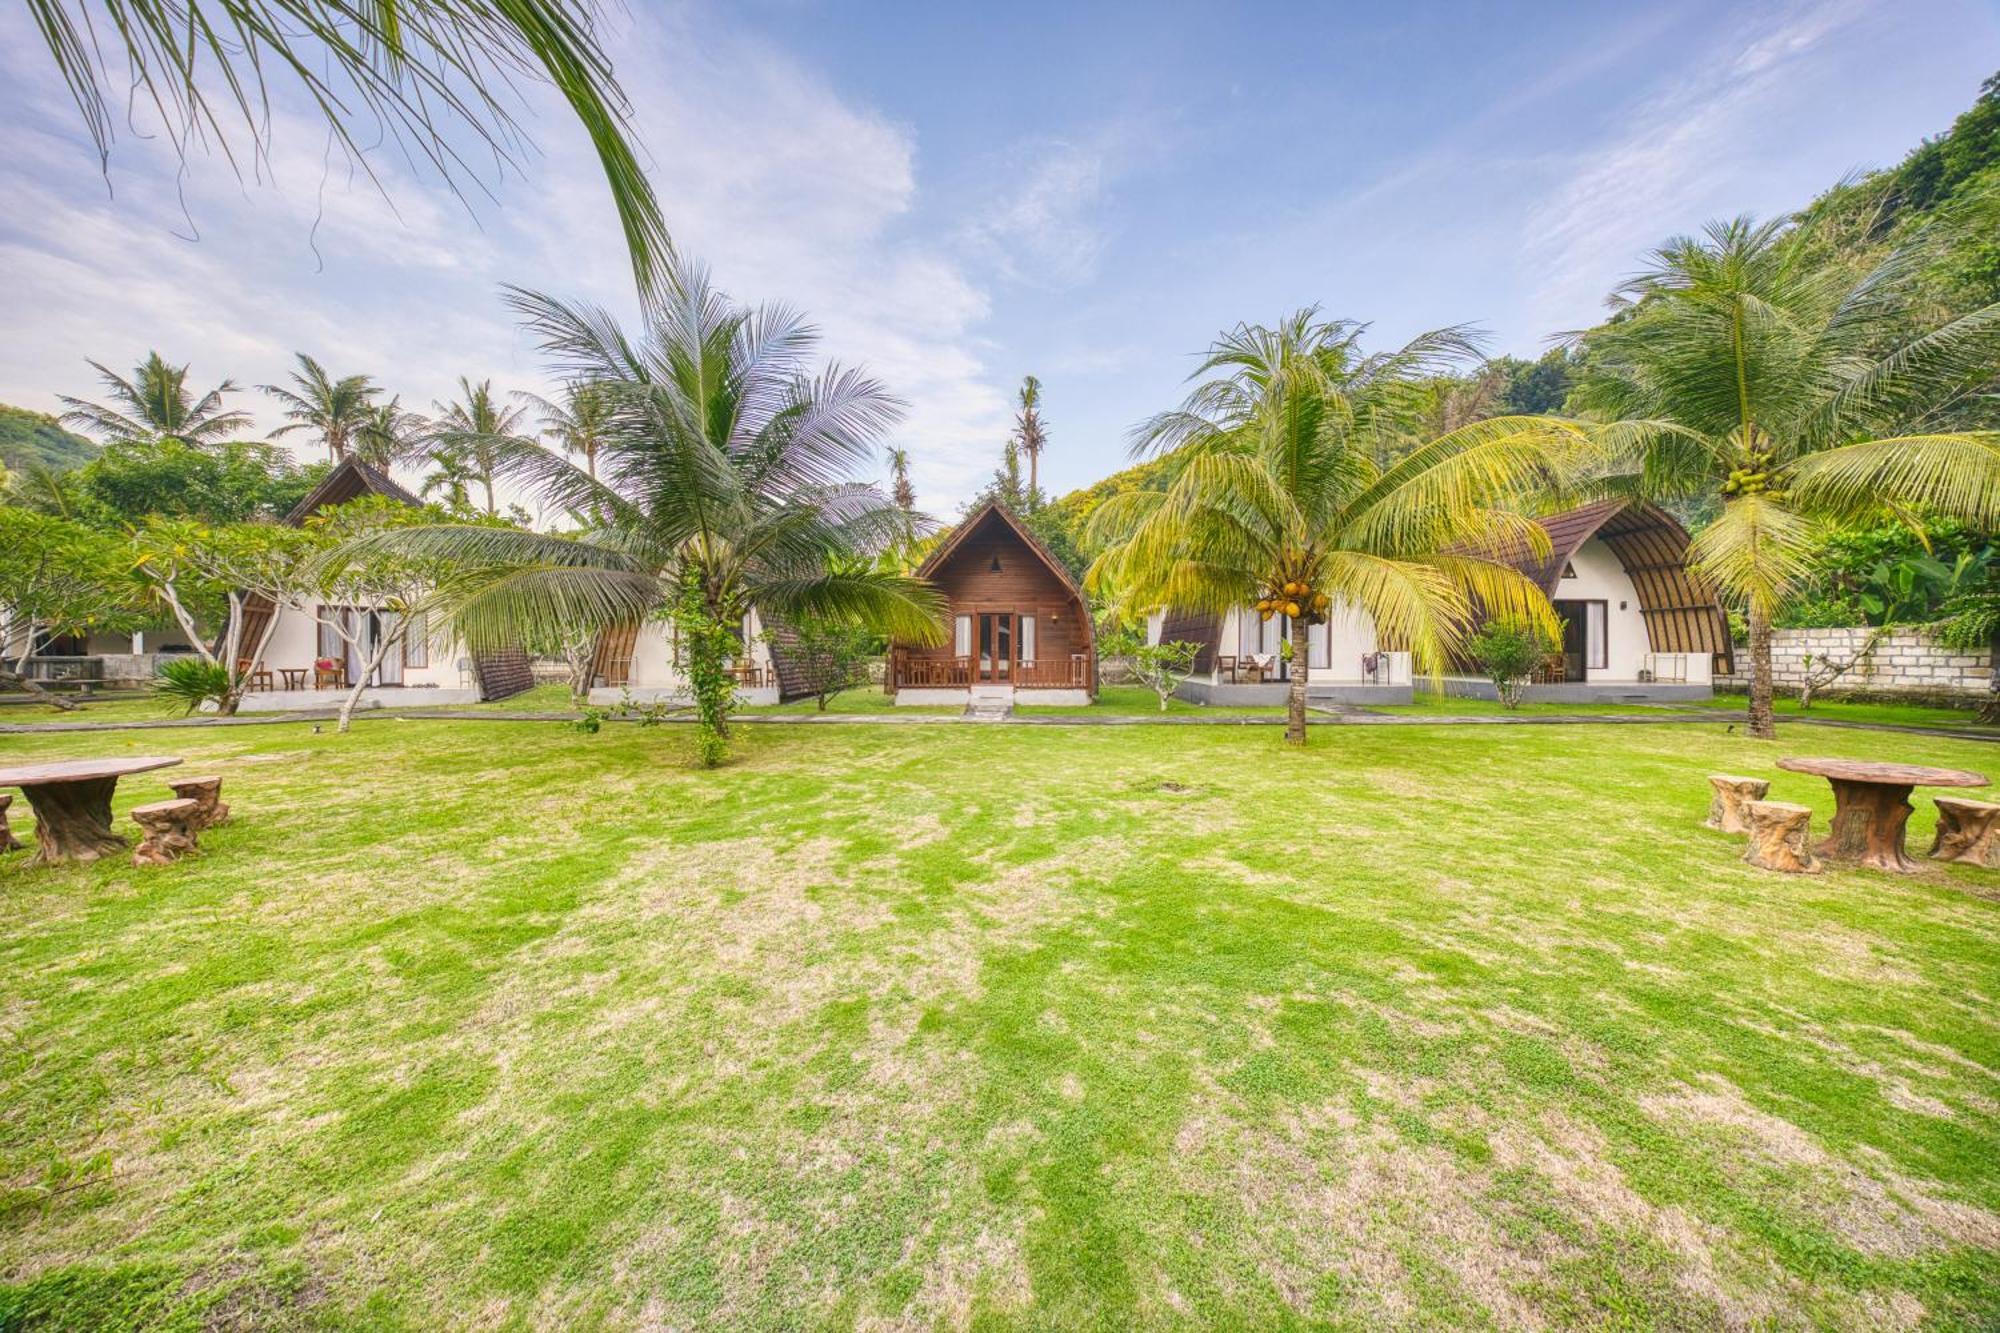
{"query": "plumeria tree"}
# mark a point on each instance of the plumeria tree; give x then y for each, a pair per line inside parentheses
(722, 482)
(1293, 484)
(217, 574)
(1792, 391)
(58, 577)
(370, 596)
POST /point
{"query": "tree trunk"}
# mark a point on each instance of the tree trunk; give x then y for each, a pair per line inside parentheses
(1990, 713)
(491, 509)
(226, 706)
(1295, 699)
(1763, 722)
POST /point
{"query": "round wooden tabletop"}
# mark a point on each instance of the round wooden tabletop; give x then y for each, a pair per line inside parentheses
(1889, 775)
(82, 770)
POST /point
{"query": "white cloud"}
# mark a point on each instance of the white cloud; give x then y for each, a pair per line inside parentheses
(790, 191)
(1679, 157)
(1039, 221)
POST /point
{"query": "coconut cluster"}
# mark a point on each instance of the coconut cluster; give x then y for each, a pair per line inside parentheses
(1296, 601)
(1754, 479)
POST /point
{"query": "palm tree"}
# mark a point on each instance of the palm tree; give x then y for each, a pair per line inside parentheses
(901, 491)
(155, 405)
(438, 77)
(721, 485)
(336, 409)
(452, 476)
(1030, 436)
(478, 431)
(1273, 495)
(388, 435)
(1788, 391)
(577, 423)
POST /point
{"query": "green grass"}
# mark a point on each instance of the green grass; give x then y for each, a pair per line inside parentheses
(503, 1025)
(1840, 710)
(1138, 701)
(1427, 704)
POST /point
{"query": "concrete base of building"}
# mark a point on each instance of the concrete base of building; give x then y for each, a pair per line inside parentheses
(1583, 692)
(375, 696)
(1277, 693)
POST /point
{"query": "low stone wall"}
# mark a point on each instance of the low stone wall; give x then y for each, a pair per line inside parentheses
(1116, 671)
(1904, 662)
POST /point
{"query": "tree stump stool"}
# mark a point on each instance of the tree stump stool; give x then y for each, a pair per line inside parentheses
(1967, 831)
(206, 793)
(1727, 808)
(170, 831)
(1778, 832)
(8, 842)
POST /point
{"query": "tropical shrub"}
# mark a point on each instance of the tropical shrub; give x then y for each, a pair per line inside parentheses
(192, 682)
(1508, 650)
(1161, 667)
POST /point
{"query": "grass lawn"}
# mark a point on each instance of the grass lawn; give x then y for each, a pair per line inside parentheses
(1138, 701)
(1428, 704)
(1840, 710)
(501, 1025)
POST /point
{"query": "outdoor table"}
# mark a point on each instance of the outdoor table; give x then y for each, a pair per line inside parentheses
(295, 677)
(72, 803)
(1871, 804)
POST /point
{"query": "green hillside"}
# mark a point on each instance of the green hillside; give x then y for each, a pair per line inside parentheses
(28, 438)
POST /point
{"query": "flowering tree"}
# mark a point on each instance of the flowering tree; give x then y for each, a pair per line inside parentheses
(58, 577)
(218, 573)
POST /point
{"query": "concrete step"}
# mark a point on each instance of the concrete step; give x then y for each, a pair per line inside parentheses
(989, 710)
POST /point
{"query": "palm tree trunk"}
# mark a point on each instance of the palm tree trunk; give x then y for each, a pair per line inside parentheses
(1295, 700)
(490, 509)
(1763, 723)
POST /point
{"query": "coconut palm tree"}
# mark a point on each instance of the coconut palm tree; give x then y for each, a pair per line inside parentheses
(437, 77)
(388, 435)
(451, 476)
(721, 484)
(1273, 496)
(478, 430)
(337, 410)
(577, 423)
(1788, 390)
(155, 404)
(900, 490)
(1030, 436)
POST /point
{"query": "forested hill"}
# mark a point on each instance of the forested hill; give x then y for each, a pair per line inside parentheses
(31, 438)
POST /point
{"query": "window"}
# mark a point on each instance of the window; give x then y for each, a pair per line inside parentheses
(417, 646)
(330, 642)
(961, 641)
(1569, 570)
(1594, 621)
(1027, 640)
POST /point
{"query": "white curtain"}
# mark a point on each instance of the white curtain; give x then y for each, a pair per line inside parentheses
(1027, 640)
(962, 636)
(1597, 651)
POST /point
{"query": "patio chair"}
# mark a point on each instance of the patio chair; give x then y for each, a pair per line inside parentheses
(329, 674)
(255, 673)
(1226, 666)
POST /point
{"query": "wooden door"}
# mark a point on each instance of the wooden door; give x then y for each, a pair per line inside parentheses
(996, 646)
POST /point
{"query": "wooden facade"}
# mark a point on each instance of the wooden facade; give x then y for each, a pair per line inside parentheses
(1017, 618)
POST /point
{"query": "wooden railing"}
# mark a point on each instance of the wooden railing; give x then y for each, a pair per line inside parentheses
(957, 673)
(1054, 673)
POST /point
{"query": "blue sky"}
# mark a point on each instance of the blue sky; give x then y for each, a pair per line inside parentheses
(964, 194)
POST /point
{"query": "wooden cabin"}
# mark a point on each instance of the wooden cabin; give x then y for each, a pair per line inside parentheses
(1018, 622)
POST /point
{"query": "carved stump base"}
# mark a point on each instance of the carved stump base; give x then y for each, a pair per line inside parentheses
(1727, 807)
(1967, 831)
(1778, 833)
(8, 842)
(73, 821)
(206, 793)
(170, 831)
(1868, 823)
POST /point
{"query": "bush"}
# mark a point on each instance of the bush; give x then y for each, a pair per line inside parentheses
(1508, 651)
(189, 681)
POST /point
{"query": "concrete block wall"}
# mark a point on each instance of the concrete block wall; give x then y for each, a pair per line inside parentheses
(1905, 661)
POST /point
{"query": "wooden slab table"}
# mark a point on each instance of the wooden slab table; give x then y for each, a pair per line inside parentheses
(72, 803)
(1871, 806)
